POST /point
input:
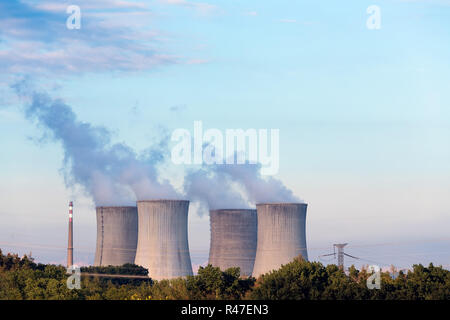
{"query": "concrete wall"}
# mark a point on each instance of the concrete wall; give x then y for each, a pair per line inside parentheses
(281, 235)
(233, 239)
(117, 233)
(163, 239)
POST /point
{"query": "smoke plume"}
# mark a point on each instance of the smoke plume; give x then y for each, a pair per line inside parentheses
(259, 189)
(113, 174)
(235, 186)
(214, 190)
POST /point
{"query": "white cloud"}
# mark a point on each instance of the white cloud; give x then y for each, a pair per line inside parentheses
(35, 38)
(77, 56)
(60, 6)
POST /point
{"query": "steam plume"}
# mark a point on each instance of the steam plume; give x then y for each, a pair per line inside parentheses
(113, 174)
(214, 190)
(237, 186)
(259, 189)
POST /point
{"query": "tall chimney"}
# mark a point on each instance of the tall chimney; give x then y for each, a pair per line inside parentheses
(70, 245)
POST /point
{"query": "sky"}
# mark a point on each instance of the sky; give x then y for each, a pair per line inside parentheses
(363, 115)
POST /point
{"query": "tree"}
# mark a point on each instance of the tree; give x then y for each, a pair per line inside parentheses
(212, 283)
(22, 278)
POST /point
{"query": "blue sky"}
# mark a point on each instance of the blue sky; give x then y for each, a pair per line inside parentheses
(364, 115)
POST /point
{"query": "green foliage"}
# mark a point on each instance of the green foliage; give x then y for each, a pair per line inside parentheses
(173, 289)
(311, 280)
(212, 283)
(22, 278)
(126, 269)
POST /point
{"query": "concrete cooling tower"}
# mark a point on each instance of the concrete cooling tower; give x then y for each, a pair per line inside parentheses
(163, 238)
(117, 233)
(233, 239)
(281, 235)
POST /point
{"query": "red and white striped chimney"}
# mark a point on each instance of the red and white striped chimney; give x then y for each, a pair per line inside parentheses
(70, 245)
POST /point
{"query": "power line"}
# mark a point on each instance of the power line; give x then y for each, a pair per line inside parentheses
(341, 254)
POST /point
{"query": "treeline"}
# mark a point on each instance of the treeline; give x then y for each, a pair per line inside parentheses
(22, 278)
(127, 269)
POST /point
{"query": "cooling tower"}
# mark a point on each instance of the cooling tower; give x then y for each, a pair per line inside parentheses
(117, 233)
(281, 235)
(233, 239)
(163, 239)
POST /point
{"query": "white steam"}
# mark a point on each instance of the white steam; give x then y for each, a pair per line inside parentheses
(113, 174)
